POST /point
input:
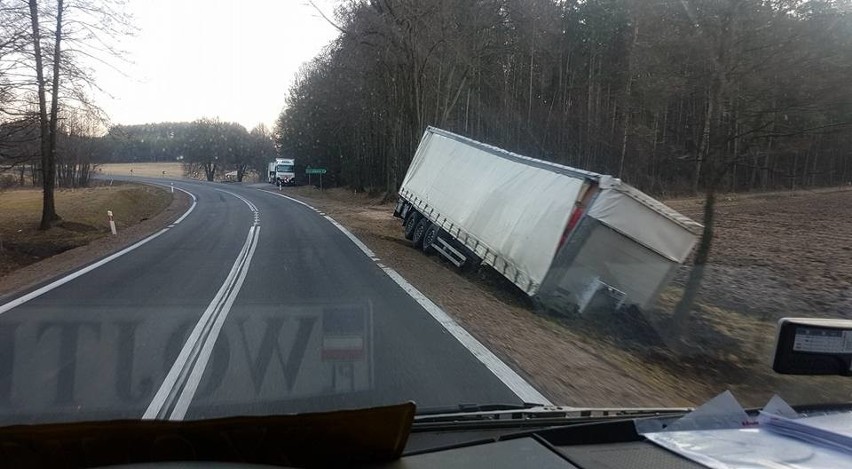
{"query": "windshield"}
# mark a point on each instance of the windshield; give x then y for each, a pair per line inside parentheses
(605, 203)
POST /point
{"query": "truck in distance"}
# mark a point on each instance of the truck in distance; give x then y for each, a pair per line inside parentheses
(282, 172)
(570, 239)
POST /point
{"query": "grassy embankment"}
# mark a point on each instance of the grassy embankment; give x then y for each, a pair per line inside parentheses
(84, 219)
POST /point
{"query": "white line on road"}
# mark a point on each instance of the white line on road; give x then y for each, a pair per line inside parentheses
(155, 408)
(192, 360)
(508, 376)
(361, 246)
(79, 273)
(191, 208)
(194, 378)
(251, 206)
(177, 390)
(523, 389)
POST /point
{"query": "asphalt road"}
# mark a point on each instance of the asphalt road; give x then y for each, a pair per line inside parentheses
(252, 304)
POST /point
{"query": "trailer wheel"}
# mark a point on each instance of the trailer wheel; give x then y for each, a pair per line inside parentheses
(430, 237)
(410, 224)
(420, 232)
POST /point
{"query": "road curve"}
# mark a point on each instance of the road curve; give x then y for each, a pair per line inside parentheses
(251, 304)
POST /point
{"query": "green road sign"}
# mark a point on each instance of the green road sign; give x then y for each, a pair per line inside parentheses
(315, 171)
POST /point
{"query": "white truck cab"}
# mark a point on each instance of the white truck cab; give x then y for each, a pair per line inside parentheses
(282, 171)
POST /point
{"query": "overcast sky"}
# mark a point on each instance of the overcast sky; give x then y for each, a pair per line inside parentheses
(231, 59)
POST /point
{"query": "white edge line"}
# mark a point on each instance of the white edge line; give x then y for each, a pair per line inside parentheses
(508, 376)
(79, 273)
(191, 207)
(352, 237)
(524, 390)
(334, 222)
(194, 379)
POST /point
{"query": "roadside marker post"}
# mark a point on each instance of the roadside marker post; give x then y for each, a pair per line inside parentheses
(173, 187)
(111, 222)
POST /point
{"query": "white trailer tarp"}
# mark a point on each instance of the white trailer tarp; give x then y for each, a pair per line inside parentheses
(648, 227)
(518, 211)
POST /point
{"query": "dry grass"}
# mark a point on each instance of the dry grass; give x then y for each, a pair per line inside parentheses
(151, 170)
(161, 170)
(84, 218)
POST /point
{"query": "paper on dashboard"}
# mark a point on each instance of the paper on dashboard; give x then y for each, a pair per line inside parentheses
(721, 435)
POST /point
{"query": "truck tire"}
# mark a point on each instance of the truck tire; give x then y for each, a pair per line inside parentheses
(430, 237)
(410, 224)
(420, 232)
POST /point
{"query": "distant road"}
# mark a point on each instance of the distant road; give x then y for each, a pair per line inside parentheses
(250, 304)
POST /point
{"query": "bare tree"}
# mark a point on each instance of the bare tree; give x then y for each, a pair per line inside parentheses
(48, 211)
(60, 80)
(261, 150)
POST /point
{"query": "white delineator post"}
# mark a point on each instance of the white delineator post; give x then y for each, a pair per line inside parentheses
(173, 187)
(111, 222)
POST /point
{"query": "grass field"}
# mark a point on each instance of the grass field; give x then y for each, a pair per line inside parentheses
(84, 218)
(169, 170)
(158, 170)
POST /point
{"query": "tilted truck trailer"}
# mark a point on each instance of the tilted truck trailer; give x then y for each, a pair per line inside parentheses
(569, 238)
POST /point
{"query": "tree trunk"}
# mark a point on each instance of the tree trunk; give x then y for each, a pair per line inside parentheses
(794, 174)
(209, 171)
(814, 169)
(530, 98)
(755, 168)
(702, 255)
(625, 120)
(48, 179)
(704, 145)
(589, 111)
(715, 168)
(85, 174)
